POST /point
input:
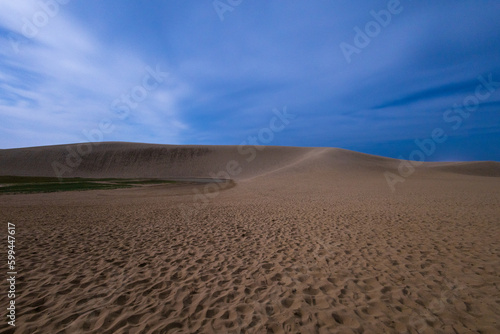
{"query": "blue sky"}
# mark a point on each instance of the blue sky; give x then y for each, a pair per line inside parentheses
(222, 68)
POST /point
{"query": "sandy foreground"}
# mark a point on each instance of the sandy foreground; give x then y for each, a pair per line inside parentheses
(305, 241)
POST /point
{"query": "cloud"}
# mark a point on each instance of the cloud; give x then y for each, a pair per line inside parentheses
(431, 93)
(63, 80)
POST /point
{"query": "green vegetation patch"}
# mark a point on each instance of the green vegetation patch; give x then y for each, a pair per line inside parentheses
(28, 184)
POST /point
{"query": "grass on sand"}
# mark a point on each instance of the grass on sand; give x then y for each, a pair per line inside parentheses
(28, 184)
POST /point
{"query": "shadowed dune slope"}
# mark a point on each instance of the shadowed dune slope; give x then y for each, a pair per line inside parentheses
(479, 168)
(114, 159)
(135, 160)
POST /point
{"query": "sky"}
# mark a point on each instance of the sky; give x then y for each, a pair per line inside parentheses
(382, 77)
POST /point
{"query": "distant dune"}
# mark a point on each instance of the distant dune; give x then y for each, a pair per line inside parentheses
(118, 159)
(479, 168)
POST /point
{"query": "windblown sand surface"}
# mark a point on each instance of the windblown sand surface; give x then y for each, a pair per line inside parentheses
(310, 240)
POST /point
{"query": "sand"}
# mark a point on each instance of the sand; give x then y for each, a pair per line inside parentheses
(308, 240)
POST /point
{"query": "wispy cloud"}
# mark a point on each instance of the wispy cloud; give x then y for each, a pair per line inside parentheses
(63, 79)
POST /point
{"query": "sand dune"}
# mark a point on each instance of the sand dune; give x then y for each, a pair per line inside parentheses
(142, 160)
(310, 240)
(116, 159)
